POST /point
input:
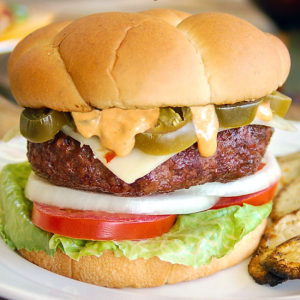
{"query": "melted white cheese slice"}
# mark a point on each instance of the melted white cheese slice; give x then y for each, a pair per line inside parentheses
(137, 163)
(184, 201)
(128, 168)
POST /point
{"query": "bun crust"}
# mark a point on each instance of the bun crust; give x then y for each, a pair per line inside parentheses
(110, 271)
(135, 60)
(41, 36)
(284, 57)
(171, 16)
(240, 62)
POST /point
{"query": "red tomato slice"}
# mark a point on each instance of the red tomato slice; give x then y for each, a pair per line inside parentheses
(256, 199)
(99, 225)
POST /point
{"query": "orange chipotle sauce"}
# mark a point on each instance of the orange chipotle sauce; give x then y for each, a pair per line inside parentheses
(264, 111)
(206, 125)
(87, 123)
(116, 127)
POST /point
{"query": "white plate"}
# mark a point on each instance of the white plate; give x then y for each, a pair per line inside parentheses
(284, 142)
(21, 280)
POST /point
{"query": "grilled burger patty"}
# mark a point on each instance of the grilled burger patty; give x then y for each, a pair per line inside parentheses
(64, 162)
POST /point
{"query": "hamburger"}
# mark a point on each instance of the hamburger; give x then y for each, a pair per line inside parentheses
(147, 136)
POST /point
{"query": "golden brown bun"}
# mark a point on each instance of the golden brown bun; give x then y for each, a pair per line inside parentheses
(41, 36)
(284, 57)
(110, 271)
(40, 75)
(171, 16)
(131, 60)
(240, 62)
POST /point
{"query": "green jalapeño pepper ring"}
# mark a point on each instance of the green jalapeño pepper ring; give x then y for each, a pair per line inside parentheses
(41, 125)
(279, 103)
(173, 132)
(237, 115)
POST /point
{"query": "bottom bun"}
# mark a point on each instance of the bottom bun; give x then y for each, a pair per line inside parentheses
(119, 272)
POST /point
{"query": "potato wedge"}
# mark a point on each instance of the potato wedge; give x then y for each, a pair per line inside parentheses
(282, 230)
(290, 168)
(287, 200)
(284, 261)
(259, 273)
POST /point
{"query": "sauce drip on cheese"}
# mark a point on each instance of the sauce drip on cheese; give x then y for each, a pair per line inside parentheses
(87, 123)
(264, 111)
(206, 125)
(116, 127)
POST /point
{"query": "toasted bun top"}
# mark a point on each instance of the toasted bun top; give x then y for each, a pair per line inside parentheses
(135, 60)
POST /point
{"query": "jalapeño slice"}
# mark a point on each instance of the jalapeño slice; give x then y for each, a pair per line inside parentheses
(173, 132)
(279, 103)
(41, 125)
(238, 114)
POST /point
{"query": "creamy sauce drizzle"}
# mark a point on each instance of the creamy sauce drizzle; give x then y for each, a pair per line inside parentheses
(206, 125)
(87, 123)
(116, 127)
(264, 111)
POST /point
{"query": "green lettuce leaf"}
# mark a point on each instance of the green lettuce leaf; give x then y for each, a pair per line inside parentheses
(16, 227)
(194, 239)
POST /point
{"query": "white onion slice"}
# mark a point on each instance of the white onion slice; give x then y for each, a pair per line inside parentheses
(277, 122)
(261, 180)
(179, 202)
(194, 199)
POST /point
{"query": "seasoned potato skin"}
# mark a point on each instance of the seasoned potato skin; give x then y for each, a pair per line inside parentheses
(284, 261)
(277, 258)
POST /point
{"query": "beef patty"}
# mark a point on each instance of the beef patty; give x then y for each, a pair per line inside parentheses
(64, 162)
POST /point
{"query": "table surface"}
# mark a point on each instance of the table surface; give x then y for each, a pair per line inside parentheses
(10, 114)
